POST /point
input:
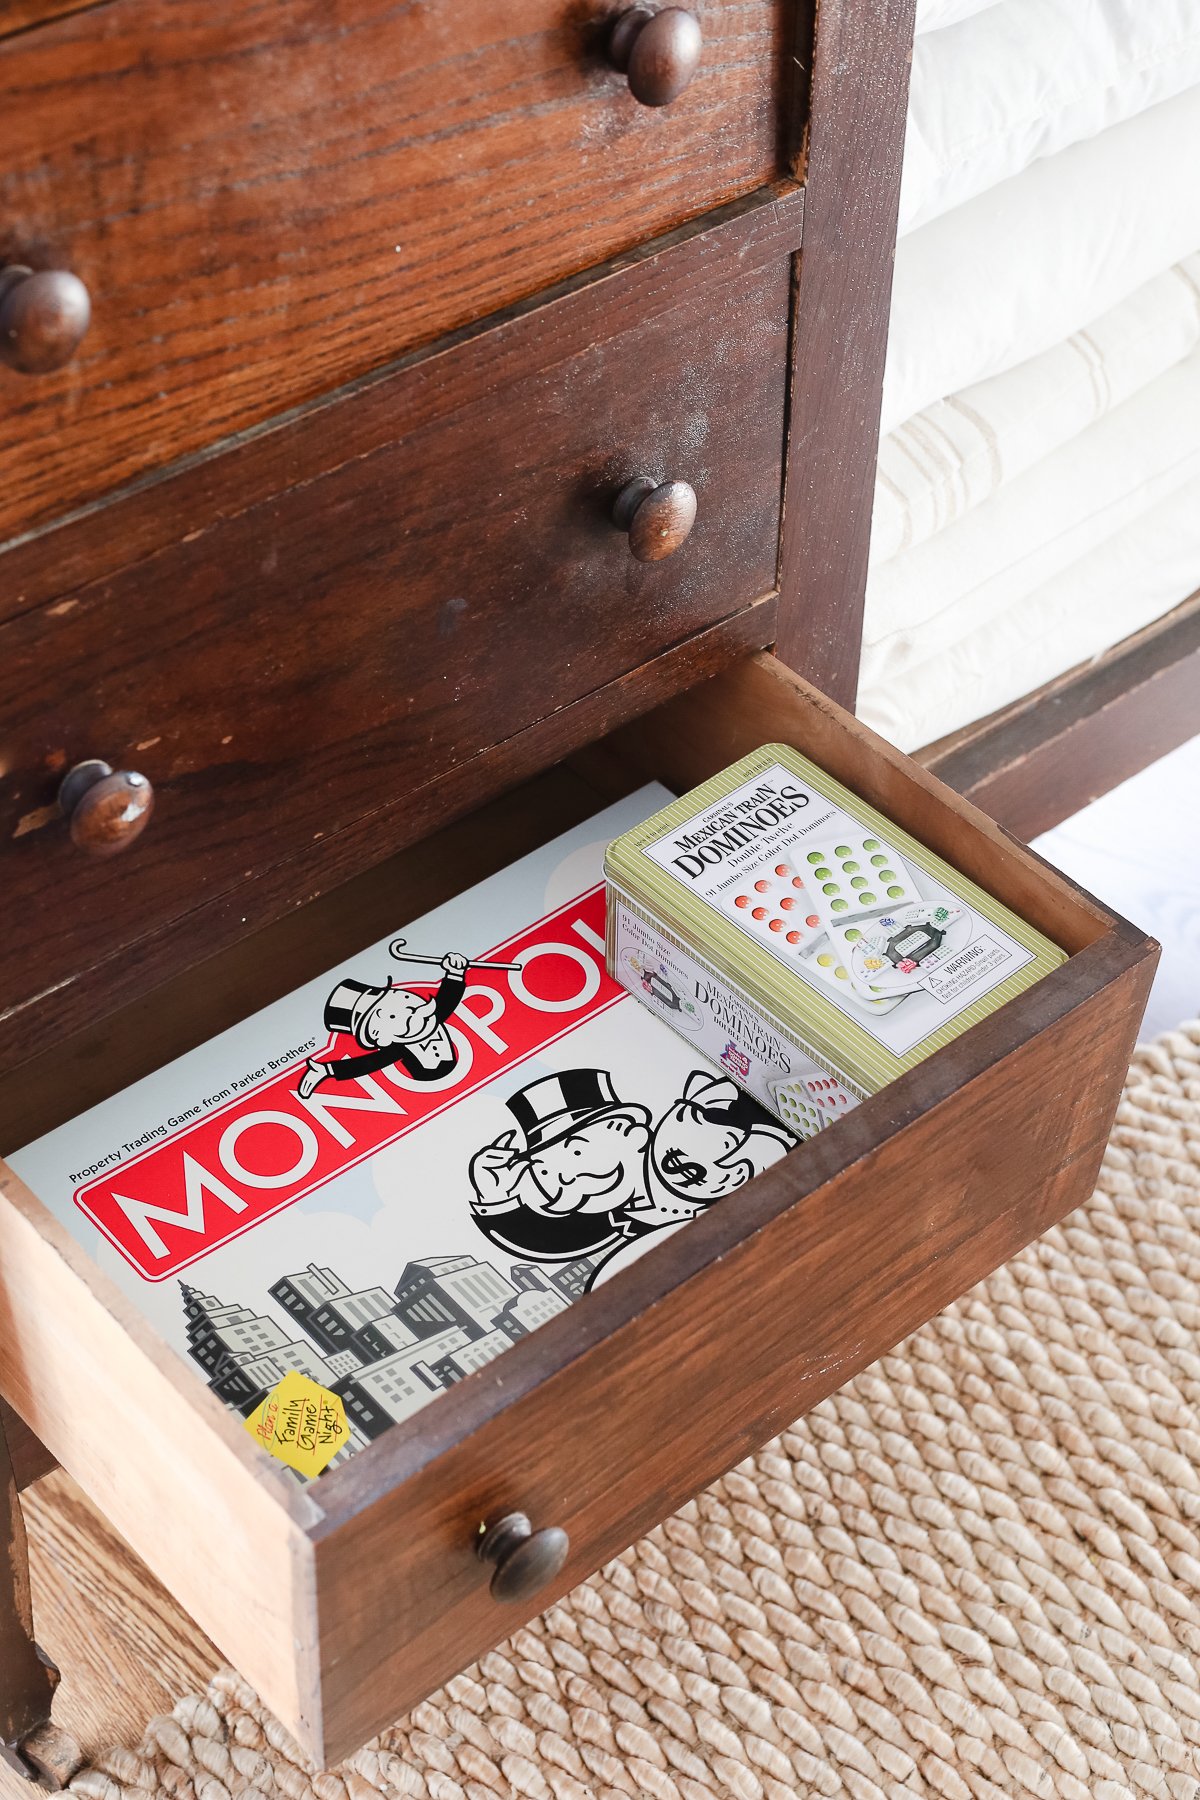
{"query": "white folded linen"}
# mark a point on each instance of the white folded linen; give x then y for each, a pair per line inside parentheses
(933, 14)
(1115, 589)
(957, 453)
(1025, 79)
(1022, 266)
(925, 600)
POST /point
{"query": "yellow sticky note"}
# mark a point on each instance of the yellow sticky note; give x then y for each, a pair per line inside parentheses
(301, 1423)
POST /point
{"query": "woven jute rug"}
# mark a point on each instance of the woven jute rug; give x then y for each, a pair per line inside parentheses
(973, 1572)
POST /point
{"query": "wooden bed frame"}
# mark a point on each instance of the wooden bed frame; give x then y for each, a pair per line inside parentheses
(1041, 759)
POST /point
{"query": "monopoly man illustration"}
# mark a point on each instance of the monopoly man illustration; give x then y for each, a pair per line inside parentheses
(393, 1026)
(583, 1171)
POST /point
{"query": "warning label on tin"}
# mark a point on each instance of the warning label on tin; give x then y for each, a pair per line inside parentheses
(964, 970)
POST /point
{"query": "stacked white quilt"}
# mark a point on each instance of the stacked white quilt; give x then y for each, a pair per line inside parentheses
(1038, 494)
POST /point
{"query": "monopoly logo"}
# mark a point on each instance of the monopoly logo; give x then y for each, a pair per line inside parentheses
(266, 1148)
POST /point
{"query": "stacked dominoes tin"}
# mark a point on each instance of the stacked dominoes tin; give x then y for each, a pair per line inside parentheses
(804, 942)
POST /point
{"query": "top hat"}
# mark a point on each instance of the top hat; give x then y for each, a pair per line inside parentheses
(347, 1007)
(553, 1107)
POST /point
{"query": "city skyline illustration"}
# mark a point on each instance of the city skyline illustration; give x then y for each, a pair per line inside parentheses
(384, 1353)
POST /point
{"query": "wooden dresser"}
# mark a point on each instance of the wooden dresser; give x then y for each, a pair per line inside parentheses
(419, 422)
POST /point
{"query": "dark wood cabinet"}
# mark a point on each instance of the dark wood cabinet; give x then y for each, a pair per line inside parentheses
(418, 335)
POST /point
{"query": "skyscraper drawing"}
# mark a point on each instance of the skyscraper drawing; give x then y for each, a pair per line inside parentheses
(384, 1354)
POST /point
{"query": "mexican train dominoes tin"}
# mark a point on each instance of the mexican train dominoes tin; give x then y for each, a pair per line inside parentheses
(802, 940)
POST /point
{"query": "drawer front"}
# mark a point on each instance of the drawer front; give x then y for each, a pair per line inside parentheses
(265, 201)
(440, 570)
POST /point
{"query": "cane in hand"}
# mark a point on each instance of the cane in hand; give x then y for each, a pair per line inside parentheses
(396, 949)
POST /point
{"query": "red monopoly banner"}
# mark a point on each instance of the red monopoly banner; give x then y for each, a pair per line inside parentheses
(251, 1153)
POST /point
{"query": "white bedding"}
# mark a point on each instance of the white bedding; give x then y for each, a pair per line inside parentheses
(925, 600)
(1027, 78)
(933, 14)
(1038, 493)
(1022, 266)
(1121, 585)
(943, 462)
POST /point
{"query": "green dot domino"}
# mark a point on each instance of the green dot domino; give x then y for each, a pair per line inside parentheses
(681, 871)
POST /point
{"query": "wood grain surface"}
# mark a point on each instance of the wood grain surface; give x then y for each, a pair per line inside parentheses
(1045, 758)
(21, 15)
(269, 200)
(852, 163)
(175, 1473)
(36, 1029)
(95, 544)
(387, 586)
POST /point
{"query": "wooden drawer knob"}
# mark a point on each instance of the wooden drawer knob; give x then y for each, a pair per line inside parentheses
(657, 516)
(523, 1560)
(107, 809)
(658, 51)
(42, 318)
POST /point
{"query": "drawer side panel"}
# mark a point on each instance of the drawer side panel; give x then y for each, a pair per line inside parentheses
(220, 1527)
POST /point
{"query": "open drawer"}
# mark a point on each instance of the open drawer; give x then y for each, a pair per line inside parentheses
(346, 1602)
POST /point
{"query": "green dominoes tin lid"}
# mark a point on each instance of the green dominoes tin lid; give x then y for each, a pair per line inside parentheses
(827, 914)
